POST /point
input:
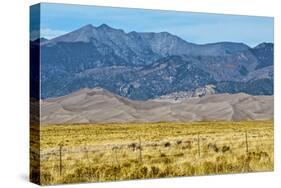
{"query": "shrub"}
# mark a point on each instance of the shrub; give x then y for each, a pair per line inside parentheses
(179, 142)
(213, 147)
(167, 144)
(225, 149)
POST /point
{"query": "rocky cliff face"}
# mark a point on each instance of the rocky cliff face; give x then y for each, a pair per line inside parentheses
(177, 97)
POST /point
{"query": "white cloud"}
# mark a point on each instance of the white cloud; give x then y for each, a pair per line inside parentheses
(34, 34)
(51, 33)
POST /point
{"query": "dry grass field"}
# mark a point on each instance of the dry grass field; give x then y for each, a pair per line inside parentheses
(107, 152)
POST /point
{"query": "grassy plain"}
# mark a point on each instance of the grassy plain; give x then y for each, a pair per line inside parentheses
(122, 151)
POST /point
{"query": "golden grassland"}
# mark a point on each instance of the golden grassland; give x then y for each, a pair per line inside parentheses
(122, 151)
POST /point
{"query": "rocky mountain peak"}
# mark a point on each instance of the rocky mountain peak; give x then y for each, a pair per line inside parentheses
(264, 45)
(104, 26)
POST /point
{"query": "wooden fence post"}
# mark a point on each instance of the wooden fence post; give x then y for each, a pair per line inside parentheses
(116, 158)
(198, 143)
(60, 153)
(247, 152)
(87, 154)
(140, 148)
(114, 149)
(246, 142)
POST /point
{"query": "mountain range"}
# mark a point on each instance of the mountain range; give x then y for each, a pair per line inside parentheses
(147, 65)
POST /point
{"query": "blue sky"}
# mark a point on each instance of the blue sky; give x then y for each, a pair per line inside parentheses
(58, 19)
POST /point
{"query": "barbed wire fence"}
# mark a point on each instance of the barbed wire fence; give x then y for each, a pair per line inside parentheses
(200, 141)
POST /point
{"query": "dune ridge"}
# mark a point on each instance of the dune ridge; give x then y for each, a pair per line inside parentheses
(100, 106)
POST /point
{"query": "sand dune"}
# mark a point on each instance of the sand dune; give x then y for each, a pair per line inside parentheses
(100, 106)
